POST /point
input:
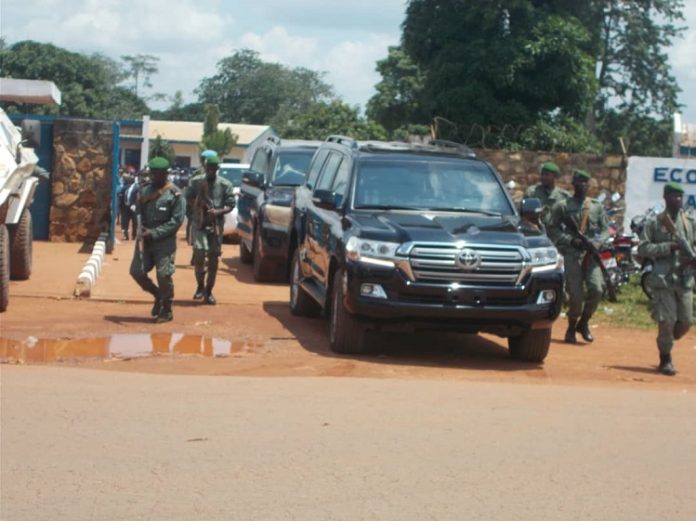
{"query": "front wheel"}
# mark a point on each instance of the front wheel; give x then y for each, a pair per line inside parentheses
(301, 304)
(245, 254)
(346, 334)
(532, 346)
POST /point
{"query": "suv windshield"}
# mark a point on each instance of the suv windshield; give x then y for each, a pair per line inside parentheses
(430, 185)
(291, 167)
(233, 175)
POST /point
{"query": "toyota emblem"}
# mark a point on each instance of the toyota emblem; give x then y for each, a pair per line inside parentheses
(468, 259)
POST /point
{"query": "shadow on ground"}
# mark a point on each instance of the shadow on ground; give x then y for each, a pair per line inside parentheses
(424, 348)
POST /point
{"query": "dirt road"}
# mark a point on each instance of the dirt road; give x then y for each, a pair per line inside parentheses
(265, 339)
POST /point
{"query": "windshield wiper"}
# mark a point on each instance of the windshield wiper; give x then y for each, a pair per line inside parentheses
(384, 207)
(465, 210)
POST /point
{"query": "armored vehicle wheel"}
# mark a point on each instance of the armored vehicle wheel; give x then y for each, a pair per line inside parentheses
(4, 267)
(346, 334)
(532, 346)
(21, 237)
(301, 304)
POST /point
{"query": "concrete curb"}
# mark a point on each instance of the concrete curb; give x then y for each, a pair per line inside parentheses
(88, 275)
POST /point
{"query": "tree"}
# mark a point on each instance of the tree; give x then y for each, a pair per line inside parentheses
(88, 83)
(161, 148)
(398, 98)
(222, 141)
(141, 66)
(180, 111)
(249, 90)
(336, 117)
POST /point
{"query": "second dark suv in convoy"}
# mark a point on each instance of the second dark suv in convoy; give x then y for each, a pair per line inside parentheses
(263, 207)
(394, 236)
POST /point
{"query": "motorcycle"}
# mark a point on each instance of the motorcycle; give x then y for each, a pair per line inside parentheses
(617, 252)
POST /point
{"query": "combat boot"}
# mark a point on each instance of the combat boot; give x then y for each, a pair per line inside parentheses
(584, 328)
(209, 298)
(156, 307)
(666, 366)
(570, 332)
(165, 314)
(200, 291)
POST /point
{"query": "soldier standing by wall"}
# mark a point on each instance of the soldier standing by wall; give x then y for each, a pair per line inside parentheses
(546, 191)
(580, 269)
(210, 198)
(160, 210)
(672, 277)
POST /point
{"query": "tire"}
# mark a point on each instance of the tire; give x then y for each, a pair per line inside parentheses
(301, 304)
(4, 268)
(244, 254)
(532, 346)
(21, 237)
(262, 271)
(346, 334)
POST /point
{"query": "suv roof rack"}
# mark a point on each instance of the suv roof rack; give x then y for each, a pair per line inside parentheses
(461, 148)
(342, 140)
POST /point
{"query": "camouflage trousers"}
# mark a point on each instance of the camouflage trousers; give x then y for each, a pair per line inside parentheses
(672, 309)
(577, 279)
(163, 262)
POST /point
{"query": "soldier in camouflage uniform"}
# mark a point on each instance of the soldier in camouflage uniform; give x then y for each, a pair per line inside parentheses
(210, 198)
(161, 208)
(546, 191)
(580, 269)
(672, 277)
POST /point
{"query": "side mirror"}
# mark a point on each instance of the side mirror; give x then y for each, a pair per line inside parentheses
(325, 199)
(254, 179)
(531, 208)
(31, 133)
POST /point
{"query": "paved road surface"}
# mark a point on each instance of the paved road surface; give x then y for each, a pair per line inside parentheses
(79, 444)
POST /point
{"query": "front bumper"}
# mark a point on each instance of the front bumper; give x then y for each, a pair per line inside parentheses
(275, 233)
(502, 310)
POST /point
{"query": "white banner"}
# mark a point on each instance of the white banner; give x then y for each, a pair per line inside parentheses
(646, 178)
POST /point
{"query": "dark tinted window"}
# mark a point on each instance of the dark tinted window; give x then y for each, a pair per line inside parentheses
(291, 167)
(315, 168)
(330, 169)
(233, 175)
(340, 182)
(430, 184)
(260, 161)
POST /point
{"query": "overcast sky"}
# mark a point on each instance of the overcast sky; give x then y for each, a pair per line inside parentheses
(342, 38)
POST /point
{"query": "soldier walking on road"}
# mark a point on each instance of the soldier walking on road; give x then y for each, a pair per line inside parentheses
(580, 269)
(161, 210)
(672, 277)
(546, 191)
(210, 198)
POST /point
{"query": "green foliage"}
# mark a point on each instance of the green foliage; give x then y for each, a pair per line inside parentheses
(161, 148)
(140, 67)
(249, 90)
(88, 83)
(560, 133)
(336, 117)
(397, 102)
(641, 134)
(631, 311)
(178, 111)
(222, 141)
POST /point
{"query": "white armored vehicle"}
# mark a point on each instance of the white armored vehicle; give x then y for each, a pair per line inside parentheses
(18, 164)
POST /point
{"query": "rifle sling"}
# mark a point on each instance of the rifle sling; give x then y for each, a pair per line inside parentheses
(585, 216)
(155, 195)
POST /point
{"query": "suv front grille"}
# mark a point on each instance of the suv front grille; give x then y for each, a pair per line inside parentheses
(499, 265)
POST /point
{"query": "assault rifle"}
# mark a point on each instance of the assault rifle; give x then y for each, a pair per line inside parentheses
(204, 203)
(572, 226)
(684, 246)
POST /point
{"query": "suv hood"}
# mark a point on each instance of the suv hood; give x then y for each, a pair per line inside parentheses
(395, 226)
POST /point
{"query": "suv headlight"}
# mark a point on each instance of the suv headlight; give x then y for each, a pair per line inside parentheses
(372, 252)
(545, 259)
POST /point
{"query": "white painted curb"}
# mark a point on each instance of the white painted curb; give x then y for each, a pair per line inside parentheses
(88, 275)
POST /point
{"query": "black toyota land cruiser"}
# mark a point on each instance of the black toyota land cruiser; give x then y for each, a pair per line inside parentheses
(393, 236)
(263, 207)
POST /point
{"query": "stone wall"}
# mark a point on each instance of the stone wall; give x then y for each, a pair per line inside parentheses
(608, 172)
(81, 201)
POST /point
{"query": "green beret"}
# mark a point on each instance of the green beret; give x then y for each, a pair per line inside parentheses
(212, 160)
(158, 163)
(672, 186)
(550, 166)
(581, 173)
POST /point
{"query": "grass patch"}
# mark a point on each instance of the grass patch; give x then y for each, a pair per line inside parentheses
(631, 311)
